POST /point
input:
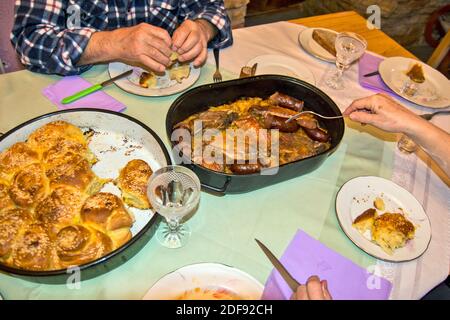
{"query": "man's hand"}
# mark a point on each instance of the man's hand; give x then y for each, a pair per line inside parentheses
(142, 45)
(313, 290)
(190, 41)
(383, 112)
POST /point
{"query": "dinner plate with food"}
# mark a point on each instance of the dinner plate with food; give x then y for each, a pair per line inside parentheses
(206, 281)
(282, 65)
(416, 81)
(178, 77)
(319, 42)
(383, 219)
(73, 193)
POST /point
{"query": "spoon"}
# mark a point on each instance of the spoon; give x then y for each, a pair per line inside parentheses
(295, 116)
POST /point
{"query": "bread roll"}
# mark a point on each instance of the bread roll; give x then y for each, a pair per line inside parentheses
(133, 181)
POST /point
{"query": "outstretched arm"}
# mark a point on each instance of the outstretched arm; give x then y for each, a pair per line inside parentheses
(383, 112)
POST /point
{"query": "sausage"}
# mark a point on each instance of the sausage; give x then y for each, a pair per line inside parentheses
(245, 168)
(307, 122)
(317, 134)
(283, 100)
(274, 122)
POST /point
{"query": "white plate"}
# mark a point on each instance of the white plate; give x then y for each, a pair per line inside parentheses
(358, 194)
(312, 47)
(283, 65)
(205, 276)
(116, 68)
(393, 72)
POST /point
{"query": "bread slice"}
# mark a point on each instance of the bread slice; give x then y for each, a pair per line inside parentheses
(391, 231)
(325, 39)
(365, 220)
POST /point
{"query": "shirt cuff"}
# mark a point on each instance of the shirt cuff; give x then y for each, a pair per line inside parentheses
(223, 37)
(71, 54)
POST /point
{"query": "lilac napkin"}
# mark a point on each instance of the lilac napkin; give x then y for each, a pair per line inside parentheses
(306, 256)
(368, 64)
(70, 85)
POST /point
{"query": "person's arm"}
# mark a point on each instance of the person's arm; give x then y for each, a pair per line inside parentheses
(144, 45)
(383, 112)
(48, 47)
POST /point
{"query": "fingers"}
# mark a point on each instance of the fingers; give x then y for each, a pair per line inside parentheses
(179, 37)
(363, 117)
(159, 33)
(201, 58)
(314, 288)
(151, 64)
(191, 54)
(302, 293)
(359, 104)
(325, 291)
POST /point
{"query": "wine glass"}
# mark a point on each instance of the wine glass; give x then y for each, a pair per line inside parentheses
(349, 48)
(174, 192)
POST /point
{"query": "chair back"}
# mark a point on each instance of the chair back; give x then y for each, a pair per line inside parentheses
(9, 61)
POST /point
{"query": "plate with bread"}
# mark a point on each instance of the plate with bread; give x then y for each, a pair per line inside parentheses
(416, 81)
(383, 219)
(73, 193)
(177, 77)
(319, 42)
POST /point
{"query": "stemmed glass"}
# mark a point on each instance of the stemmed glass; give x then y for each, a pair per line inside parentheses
(174, 192)
(349, 48)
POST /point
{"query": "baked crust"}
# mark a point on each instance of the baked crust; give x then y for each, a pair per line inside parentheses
(326, 40)
(132, 181)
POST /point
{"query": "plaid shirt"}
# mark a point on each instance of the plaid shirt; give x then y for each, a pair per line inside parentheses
(46, 44)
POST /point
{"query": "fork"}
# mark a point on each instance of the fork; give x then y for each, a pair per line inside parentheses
(295, 116)
(429, 116)
(217, 77)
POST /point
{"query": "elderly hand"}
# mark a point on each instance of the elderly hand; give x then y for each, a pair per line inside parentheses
(383, 112)
(190, 41)
(143, 45)
(314, 289)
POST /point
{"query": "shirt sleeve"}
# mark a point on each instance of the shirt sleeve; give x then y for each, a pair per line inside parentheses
(214, 12)
(43, 41)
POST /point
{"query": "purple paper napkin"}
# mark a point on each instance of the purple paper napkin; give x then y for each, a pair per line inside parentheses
(70, 85)
(306, 256)
(368, 64)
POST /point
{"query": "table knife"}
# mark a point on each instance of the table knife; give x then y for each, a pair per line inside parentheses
(94, 88)
(371, 74)
(292, 283)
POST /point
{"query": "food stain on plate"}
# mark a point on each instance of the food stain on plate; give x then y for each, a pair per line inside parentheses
(213, 293)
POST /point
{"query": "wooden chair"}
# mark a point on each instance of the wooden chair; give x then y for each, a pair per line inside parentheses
(441, 52)
(8, 57)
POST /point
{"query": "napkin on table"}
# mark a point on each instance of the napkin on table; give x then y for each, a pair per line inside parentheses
(67, 86)
(368, 64)
(306, 256)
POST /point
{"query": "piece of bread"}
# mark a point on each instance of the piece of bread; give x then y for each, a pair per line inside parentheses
(33, 250)
(15, 158)
(30, 185)
(416, 73)
(61, 208)
(106, 212)
(365, 220)
(326, 39)
(148, 80)
(74, 170)
(391, 231)
(132, 181)
(77, 244)
(12, 222)
(5, 198)
(47, 136)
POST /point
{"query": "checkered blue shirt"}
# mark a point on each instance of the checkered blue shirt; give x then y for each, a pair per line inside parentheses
(47, 43)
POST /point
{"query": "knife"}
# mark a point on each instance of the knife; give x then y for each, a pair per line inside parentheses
(94, 88)
(371, 74)
(292, 283)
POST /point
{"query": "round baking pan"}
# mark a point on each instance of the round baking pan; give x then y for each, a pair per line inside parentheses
(119, 125)
(201, 98)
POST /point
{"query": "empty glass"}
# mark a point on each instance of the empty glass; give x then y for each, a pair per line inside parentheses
(174, 192)
(349, 48)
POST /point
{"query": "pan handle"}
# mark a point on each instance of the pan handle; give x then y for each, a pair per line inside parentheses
(215, 190)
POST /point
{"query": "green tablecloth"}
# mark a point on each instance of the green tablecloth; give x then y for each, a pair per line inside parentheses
(223, 228)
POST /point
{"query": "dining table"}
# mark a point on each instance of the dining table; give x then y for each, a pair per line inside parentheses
(224, 228)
